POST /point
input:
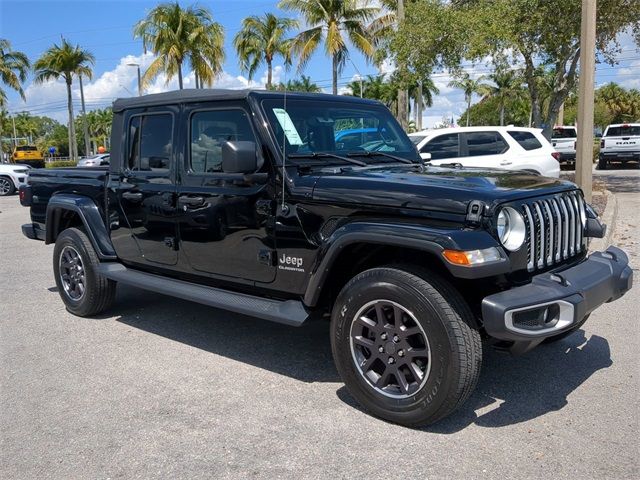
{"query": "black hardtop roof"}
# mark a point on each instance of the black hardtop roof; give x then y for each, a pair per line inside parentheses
(208, 94)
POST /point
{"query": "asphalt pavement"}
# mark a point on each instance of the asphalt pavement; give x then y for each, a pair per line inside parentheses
(163, 388)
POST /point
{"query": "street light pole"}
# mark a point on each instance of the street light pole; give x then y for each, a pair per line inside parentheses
(584, 151)
(84, 121)
(137, 65)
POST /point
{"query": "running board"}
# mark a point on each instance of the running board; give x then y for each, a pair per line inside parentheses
(289, 312)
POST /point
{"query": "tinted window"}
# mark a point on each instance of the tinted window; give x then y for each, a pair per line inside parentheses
(623, 131)
(485, 143)
(209, 130)
(150, 143)
(563, 133)
(527, 140)
(416, 139)
(26, 148)
(443, 146)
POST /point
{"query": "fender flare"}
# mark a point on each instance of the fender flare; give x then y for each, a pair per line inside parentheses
(90, 216)
(416, 237)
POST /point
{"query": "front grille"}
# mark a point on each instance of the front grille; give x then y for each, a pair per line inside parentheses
(554, 229)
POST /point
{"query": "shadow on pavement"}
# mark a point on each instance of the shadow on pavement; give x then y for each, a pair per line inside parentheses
(301, 353)
(510, 389)
(620, 183)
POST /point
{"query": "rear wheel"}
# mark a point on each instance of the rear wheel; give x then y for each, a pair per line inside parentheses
(403, 345)
(602, 164)
(83, 291)
(6, 187)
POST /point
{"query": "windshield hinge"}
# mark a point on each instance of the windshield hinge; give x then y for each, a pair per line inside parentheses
(475, 210)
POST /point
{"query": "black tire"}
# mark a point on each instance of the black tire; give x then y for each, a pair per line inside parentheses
(444, 317)
(6, 187)
(602, 164)
(97, 293)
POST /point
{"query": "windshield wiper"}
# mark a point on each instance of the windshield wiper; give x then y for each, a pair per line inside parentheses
(327, 155)
(367, 153)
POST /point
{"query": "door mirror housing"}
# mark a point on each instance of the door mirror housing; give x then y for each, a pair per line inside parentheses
(239, 157)
(426, 157)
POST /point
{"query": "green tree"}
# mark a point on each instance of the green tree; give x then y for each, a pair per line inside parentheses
(332, 22)
(14, 66)
(260, 40)
(422, 92)
(64, 61)
(176, 35)
(469, 86)
(304, 84)
(507, 85)
(535, 32)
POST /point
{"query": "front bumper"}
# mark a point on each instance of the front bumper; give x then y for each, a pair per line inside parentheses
(555, 302)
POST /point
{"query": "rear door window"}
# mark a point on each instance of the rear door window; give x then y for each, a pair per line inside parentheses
(150, 143)
(485, 143)
(443, 146)
(526, 140)
(623, 131)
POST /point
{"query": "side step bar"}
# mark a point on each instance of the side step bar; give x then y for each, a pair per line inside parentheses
(289, 312)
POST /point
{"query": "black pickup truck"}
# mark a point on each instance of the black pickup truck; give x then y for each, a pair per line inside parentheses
(294, 206)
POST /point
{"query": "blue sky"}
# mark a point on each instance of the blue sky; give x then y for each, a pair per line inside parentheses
(105, 28)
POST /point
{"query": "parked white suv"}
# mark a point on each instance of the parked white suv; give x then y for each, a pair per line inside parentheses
(620, 142)
(11, 177)
(508, 148)
(563, 140)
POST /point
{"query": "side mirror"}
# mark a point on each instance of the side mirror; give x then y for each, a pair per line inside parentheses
(239, 157)
(426, 157)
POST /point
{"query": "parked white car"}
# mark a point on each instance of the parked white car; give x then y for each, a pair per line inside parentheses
(563, 140)
(507, 148)
(620, 143)
(11, 177)
(98, 160)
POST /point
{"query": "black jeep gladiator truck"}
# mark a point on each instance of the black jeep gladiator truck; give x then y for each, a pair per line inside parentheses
(291, 206)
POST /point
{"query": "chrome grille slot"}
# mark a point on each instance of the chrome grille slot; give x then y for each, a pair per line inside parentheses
(554, 229)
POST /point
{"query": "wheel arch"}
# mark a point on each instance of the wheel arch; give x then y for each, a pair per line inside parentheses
(360, 247)
(70, 210)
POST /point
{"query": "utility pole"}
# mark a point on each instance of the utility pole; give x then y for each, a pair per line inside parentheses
(402, 92)
(85, 127)
(584, 153)
(137, 65)
(15, 141)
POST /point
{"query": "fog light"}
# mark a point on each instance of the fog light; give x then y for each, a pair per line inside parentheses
(472, 257)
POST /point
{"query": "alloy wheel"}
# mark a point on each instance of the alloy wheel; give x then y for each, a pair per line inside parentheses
(72, 274)
(390, 349)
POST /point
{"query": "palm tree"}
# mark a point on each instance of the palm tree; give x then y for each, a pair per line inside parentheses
(332, 22)
(65, 61)
(469, 86)
(177, 35)
(261, 39)
(422, 92)
(304, 84)
(507, 85)
(14, 66)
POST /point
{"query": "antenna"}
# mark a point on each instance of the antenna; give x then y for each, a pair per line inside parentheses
(283, 207)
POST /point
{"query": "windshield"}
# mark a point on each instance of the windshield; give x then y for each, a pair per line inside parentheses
(336, 127)
(623, 131)
(26, 148)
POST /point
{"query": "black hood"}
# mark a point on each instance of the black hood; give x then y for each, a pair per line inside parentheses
(433, 188)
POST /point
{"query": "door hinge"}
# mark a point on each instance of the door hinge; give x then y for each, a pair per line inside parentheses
(266, 257)
(475, 211)
(171, 242)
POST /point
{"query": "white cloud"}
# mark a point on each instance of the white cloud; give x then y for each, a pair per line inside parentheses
(50, 98)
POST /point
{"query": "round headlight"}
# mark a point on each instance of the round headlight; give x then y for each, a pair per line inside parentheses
(511, 228)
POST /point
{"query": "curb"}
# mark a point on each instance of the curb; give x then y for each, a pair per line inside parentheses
(609, 217)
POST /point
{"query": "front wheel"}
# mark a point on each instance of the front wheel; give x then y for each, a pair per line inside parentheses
(6, 187)
(83, 291)
(403, 345)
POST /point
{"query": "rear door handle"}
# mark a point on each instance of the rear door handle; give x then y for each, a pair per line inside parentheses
(191, 201)
(132, 196)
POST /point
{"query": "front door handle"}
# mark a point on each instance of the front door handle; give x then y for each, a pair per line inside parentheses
(132, 196)
(191, 201)
(505, 162)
